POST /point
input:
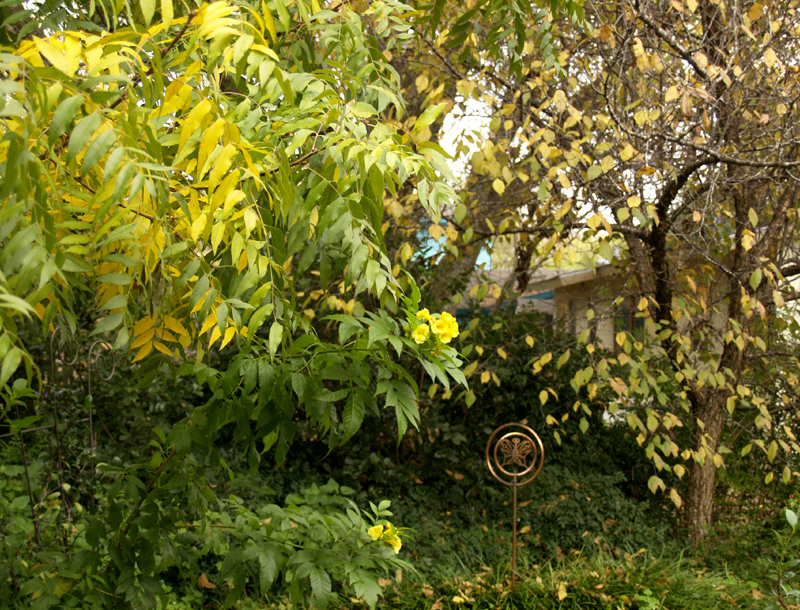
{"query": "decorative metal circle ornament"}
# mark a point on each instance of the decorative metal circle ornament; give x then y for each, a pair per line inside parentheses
(517, 457)
(514, 452)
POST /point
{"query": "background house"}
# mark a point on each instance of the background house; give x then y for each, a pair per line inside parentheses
(565, 296)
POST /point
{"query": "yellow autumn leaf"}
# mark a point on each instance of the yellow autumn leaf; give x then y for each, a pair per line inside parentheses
(55, 56)
(250, 220)
(627, 152)
(199, 305)
(143, 352)
(165, 335)
(230, 332)
(672, 94)
(210, 321)
(223, 189)
(216, 235)
(193, 121)
(499, 186)
(770, 57)
(207, 144)
(174, 325)
(163, 349)
(143, 338)
(144, 324)
(222, 163)
(198, 226)
(234, 197)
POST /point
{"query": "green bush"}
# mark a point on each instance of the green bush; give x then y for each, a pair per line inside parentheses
(593, 483)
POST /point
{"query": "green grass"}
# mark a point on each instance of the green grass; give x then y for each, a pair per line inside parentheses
(607, 581)
(604, 580)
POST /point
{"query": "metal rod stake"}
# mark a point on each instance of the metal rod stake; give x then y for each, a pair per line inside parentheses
(514, 540)
(516, 460)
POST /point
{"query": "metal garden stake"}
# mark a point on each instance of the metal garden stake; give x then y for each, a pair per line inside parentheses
(514, 455)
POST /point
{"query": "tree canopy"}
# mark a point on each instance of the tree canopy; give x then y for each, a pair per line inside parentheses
(664, 142)
(189, 179)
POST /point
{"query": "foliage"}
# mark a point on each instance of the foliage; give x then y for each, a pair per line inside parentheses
(786, 583)
(319, 540)
(663, 146)
(180, 170)
(438, 480)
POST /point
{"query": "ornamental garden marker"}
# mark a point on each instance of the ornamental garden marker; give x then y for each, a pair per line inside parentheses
(514, 455)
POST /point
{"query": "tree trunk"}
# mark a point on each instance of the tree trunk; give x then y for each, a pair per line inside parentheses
(699, 509)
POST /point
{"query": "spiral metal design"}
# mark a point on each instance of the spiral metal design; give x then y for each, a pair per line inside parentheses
(514, 455)
(104, 363)
(64, 348)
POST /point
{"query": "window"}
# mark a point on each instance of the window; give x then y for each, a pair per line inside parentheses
(626, 320)
(566, 312)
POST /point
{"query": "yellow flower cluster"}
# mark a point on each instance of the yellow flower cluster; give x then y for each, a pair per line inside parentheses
(388, 534)
(421, 333)
(444, 326)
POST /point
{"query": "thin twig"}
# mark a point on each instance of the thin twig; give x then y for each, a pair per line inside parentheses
(190, 17)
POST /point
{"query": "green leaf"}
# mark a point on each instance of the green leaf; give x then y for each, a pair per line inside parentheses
(791, 518)
(112, 163)
(362, 110)
(283, 15)
(267, 570)
(97, 149)
(352, 416)
(275, 337)
(63, 117)
(108, 323)
(117, 279)
(401, 396)
(755, 279)
(148, 10)
(83, 132)
(593, 172)
(11, 362)
(321, 586)
(122, 179)
(427, 117)
(365, 586)
(10, 301)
